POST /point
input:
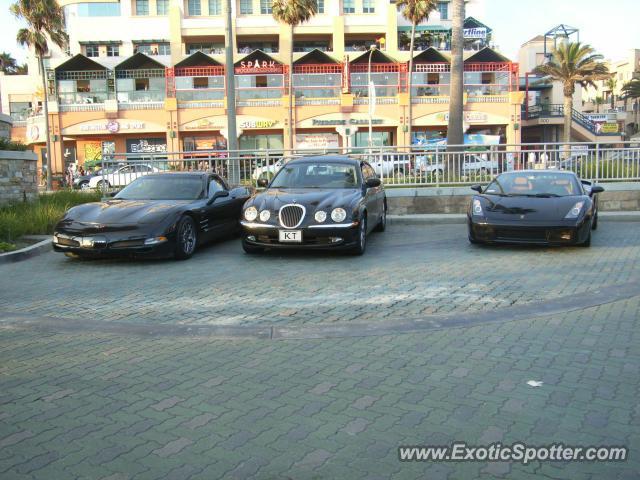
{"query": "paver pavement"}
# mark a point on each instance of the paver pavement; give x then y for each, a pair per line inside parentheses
(88, 403)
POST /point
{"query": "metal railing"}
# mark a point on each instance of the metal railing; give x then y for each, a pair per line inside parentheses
(396, 166)
(556, 111)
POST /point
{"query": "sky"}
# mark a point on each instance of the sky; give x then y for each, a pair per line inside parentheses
(611, 27)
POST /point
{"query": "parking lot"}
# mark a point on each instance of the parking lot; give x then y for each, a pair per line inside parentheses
(317, 365)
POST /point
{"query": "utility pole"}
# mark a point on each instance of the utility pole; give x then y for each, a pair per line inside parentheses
(232, 133)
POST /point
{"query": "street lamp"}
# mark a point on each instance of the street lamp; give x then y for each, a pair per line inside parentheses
(372, 93)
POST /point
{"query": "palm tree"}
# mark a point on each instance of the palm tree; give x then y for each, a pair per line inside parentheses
(45, 22)
(8, 64)
(631, 90)
(415, 11)
(611, 84)
(573, 63)
(597, 102)
(455, 133)
(22, 69)
(293, 13)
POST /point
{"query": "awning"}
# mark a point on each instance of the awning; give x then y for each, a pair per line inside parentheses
(424, 28)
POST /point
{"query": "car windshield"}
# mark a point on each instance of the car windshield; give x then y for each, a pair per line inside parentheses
(316, 175)
(534, 184)
(163, 187)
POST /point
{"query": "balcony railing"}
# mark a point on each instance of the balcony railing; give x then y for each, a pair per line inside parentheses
(82, 98)
(433, 90)
(141, 96)
(200, 94)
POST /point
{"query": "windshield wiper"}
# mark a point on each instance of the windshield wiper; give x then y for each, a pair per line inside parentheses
(544, 195)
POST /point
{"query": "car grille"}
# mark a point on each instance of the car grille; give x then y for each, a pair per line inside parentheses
(68, 242)
(291, 215)
(531, 234)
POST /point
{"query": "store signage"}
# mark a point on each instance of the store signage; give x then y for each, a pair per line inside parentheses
(317, 141)
(475, 33)
(597, 117)
(469, 117)
(610, 128)
(205, 123)
(147, 145)
(112, 126)
(352, 121)
(258, 123)
(257, 66)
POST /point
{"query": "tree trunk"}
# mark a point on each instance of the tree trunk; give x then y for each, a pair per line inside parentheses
(410, 83)
(43, 75)
(568, 112)
(455, 133)
(291, 143)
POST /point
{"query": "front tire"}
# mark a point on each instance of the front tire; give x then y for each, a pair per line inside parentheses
(594, 224)
(186, 238)
(362, 237)
(382, 226)
(587, 242)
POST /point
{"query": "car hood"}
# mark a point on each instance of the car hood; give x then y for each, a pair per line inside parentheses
(532, 208)
(312, 198)
(123, 212)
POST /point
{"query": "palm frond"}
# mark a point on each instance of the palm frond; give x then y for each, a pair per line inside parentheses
(294, 12)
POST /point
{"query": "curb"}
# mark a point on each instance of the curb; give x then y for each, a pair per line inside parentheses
(27, 252)
(461, 218)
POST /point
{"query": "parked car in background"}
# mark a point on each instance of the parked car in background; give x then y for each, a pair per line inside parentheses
(317, 202)
(121, 176)
(428, 164)
(166, 214)
(82, 182)
(391, 164)
(268, 171)
(548, 207)
(479, 164)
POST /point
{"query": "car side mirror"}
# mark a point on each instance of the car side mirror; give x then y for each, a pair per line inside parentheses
(596, 189)
(373, 182)
(220, 194)
(263, 182)
(477, 188)
(113, 194)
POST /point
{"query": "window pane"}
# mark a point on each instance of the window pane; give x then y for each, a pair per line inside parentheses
(99, 9)
(195, 8)
(162, 7)
(443, 8)
(215, 7)
(349, 6)
(113, 50)
(246, 8)
(320, 4)
(368, 6)
(142, 7)
(265, 7)
(92, 50)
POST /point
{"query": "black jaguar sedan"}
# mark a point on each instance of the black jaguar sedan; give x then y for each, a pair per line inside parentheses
(167, 214)
(548, 207)
(318, 202)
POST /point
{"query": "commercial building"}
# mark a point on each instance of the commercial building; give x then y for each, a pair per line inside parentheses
(147, 76)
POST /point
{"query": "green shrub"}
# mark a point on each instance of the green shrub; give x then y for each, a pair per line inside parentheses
(6, 144)
(6, 247)
(40, 216)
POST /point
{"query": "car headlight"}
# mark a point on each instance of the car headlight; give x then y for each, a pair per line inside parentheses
(477, 207)
(320, 216)
(338, 215)
(575, 210)
(250, 214)
(264, 215)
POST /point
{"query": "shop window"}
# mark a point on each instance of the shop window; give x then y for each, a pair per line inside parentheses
(91, 50)
(200, 82)
(113, 50)
(261, 81)
(142, 84)
(487, 78)
(433, 78)
(83, 86)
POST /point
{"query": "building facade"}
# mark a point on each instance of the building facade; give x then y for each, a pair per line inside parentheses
(147, 76)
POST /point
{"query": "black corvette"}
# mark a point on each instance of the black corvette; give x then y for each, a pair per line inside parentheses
(547, 207)
(321, 202)
(166, 214)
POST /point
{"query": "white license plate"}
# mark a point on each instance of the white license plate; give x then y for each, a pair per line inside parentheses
(292, 236)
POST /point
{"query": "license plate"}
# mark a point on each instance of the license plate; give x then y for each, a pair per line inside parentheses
(293, 236)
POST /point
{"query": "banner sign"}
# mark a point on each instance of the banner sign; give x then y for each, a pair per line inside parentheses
(475, 33)
(610, 128)
(319, 141)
